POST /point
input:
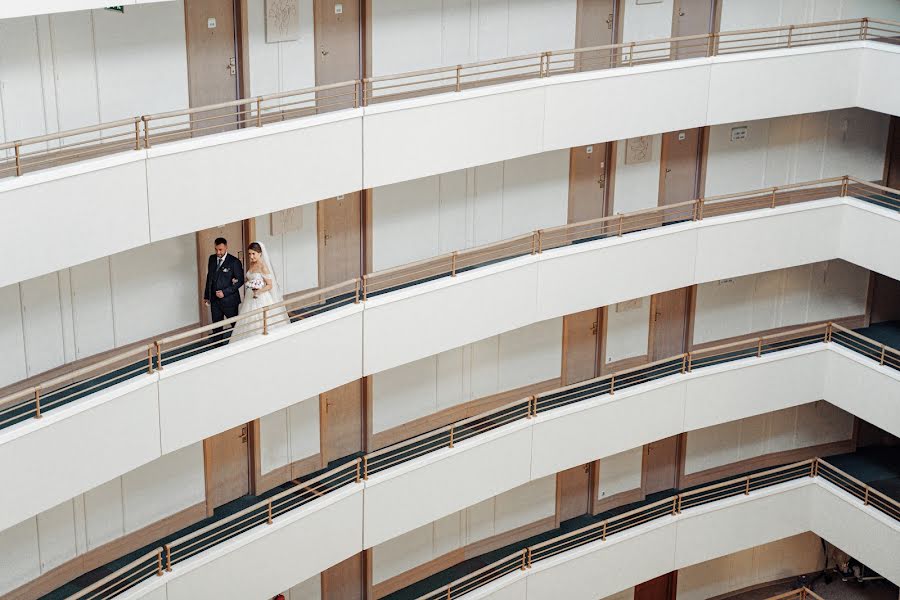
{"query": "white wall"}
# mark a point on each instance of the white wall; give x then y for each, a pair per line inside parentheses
(515, 508)
(770, 13)
(434, 215)
(439, 34)
(280, 66)
(637, 185)
(776, 151)
(779, 431)
(627, 329)
(311, 589)
(96, 306)
(797, 148)
(289, 434)
(496, 364)
(816, 292)
(73, 69)
(119, 507)
(294, 251)
(620, 472)
(787, 557)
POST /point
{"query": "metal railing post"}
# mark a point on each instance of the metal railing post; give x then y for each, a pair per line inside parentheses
(365, 287)
(828, 332)
(603, 533)
(356, 94)
(259, 111)
(451, 436)
(631, 54)
(356, 296)
(866, 497)
(864, 29)
(365, 467)
(679, 503)
(621, 223)
(269, 513)
(358, 462)
(146, 121)
(524, 559)
(159, 362)
(690, 359)
(363, 93)
(790, 36)
(845, 181)
(709, 44)
(700, 209)
(37, 402)
(453, 264)
(168, 558)
(458, 77)
(759, 348)
(683, 363)
(18, 151)
(265, 321)
(774, 189)
(883, 348)
(747, 487)
(137, 134)
(149, 359)
(540, 241)
(612, 384)
(159, 565)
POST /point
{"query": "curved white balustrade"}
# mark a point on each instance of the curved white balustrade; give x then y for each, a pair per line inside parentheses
(22, 8)
(270, 558)
(191, 400)
(696, 535)
(156, 195)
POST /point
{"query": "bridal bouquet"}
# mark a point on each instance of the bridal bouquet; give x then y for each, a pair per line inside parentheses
(256, 283)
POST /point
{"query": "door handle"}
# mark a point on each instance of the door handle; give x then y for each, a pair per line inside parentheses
(324, 52)
(243, 434)
(232, 66)
(668, 170)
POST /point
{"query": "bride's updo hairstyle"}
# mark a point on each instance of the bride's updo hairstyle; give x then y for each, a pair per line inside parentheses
(255, 247)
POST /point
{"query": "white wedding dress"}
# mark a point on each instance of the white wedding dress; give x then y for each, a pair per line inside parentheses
(253, 325)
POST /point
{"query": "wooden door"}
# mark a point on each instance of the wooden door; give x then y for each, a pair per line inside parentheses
(892, 163)
(660, 465)
(573, 488)
(580, 345)
(227, 460)
(339, 233)
(212, 61)
(679, 166)
(344, 581)
(587, 182)
(668, 315)
(337, 27)
(341, 410)
(234, 233)
(885, 299)
(660, 588)
(595, 21)
(691, 17)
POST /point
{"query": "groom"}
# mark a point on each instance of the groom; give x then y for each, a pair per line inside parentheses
(224, 278)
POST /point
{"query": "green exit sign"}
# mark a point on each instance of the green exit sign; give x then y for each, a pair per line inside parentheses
(119, 8)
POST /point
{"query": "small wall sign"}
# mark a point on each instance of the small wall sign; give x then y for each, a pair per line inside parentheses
(118, 8)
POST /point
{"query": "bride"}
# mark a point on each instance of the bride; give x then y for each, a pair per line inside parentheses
(261, 290)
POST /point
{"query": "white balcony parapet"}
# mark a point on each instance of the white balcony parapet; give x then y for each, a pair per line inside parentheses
(345, 343)
(267, 166)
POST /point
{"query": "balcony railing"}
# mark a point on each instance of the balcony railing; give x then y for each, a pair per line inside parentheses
(803, 593)
(57, 391)
(262, 513)
(140, 132)
(522, 560)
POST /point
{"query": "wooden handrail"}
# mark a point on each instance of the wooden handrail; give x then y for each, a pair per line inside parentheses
(319, 296)
(450, 71)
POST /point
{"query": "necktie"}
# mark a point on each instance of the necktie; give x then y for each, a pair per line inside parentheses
(219, 266)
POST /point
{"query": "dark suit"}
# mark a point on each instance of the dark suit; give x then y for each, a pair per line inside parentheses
(228, 279)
